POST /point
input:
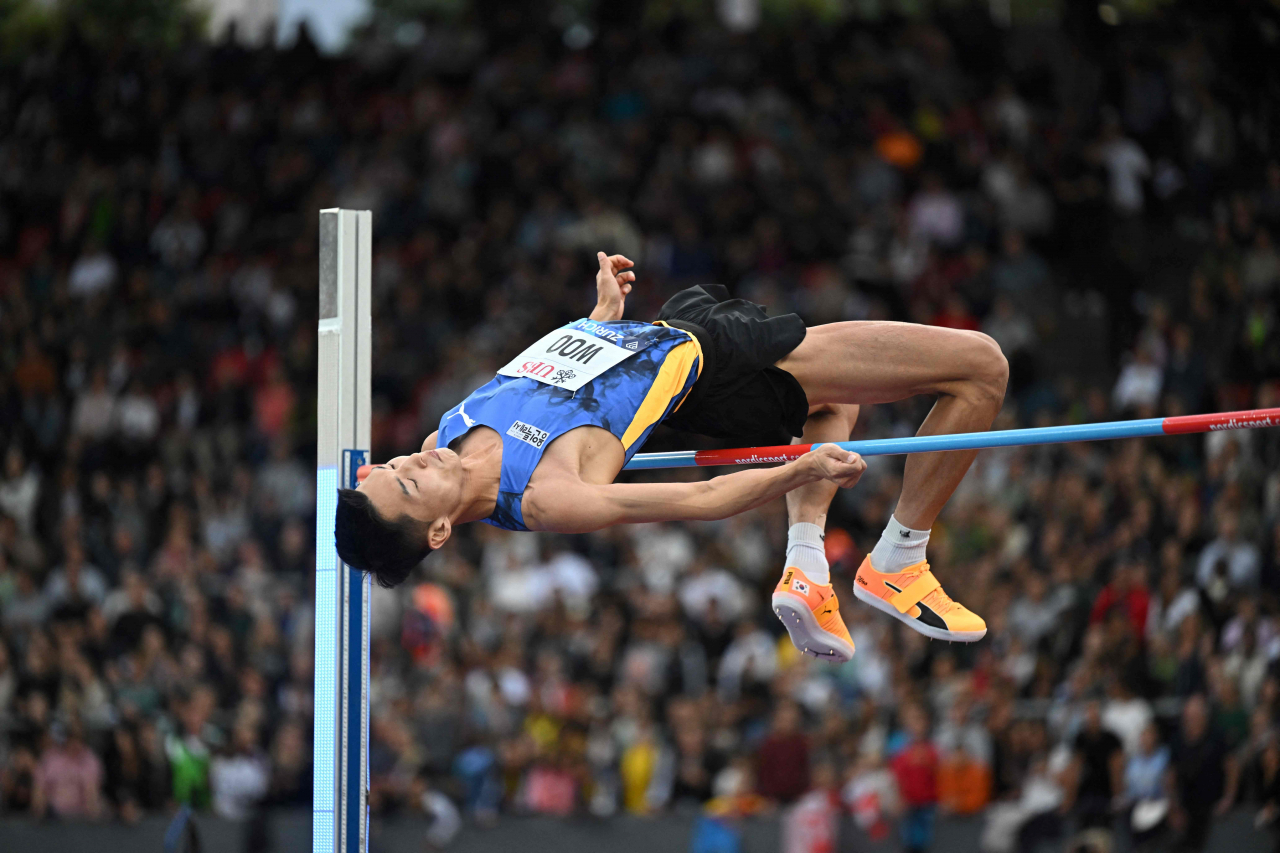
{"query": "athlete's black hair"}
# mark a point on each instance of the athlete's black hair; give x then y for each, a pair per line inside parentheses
(388, 550)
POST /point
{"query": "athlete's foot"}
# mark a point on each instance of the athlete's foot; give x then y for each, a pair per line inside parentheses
(915, 596)
(811, 615)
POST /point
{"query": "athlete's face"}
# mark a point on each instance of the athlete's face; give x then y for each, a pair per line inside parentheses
(425, 486)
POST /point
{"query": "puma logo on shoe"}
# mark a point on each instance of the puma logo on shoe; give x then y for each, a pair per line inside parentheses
(926, 613)
(916, 598)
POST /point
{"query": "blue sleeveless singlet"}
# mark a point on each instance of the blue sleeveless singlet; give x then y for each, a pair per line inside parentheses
(628, 399)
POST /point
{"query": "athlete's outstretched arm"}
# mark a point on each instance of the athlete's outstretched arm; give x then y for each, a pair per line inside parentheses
(612, 287)
(566, 506)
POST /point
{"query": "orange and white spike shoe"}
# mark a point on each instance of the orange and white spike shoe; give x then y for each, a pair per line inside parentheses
(811, 615)
(914, 596)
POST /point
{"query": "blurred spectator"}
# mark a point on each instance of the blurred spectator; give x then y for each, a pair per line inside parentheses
(964, 763)
(1140, 381)
(871, 794)
(915, 766)
(68, 779)
(1127, 167)
(1199, 772)
(1098, 769)
(239, 778)
(188, 750)
(1021, 275)
(1268, 787)
(20, 490)
(1012, 330)
(76, 583)
(637, 768)
(94, 272)
(810, 826)
(1146, 786)
(1228, 559)
(94, 415)
(1127, 595)
(445, 820)
(135, 781)
(1126, 715)
(935, 213)
(782, 760)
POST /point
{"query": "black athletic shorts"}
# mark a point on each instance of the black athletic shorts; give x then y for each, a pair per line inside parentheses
(740, 394)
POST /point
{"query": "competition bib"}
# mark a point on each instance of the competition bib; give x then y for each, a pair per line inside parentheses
(572, 356)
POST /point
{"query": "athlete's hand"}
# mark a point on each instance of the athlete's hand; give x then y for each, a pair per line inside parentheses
(828, 462)
(612, 286)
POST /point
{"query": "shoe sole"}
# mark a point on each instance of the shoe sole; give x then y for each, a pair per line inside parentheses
(805, 633)
(915, 624)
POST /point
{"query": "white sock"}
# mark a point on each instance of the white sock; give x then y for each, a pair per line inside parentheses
(806, 551)
(898, 547)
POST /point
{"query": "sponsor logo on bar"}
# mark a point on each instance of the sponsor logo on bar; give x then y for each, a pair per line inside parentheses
(752, 459)
(1244, 423)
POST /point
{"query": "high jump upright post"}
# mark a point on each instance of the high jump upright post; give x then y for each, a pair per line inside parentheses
(341, 748)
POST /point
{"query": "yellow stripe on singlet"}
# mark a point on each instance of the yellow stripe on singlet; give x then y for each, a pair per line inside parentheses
(666, 385)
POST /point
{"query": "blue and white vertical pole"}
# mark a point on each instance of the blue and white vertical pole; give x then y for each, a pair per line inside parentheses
(341, 750)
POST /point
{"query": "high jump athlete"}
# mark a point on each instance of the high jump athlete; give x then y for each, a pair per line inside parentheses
(539, 447)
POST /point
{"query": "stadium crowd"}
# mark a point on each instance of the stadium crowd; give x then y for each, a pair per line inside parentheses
(1099, 200)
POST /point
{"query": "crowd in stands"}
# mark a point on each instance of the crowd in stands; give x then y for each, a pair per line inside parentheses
(1099, 200)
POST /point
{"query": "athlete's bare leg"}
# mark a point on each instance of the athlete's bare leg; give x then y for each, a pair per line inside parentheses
(848, 364)
(882, 362)
(827, 422)
(804, 599)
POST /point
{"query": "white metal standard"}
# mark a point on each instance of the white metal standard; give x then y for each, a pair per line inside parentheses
(339, 801)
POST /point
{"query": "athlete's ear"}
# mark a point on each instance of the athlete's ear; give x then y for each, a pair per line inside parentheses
(439, 532)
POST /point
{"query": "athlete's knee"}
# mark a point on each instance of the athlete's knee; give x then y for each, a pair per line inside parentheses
(988, 371)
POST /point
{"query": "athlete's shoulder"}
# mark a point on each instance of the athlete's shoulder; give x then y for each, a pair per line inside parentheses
(614, 330)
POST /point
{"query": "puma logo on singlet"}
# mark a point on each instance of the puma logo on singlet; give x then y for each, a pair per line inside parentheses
(466, 419)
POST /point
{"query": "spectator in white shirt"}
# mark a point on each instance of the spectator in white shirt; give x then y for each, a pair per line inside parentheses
(137, 415)
(935, 213)
(239, 780)
(1243, 561)
(76, 580)
(1171, 604)
(94, 272)
(94, 414)
(752, 658)
(1033, 614)
(20, 490)
(1125, 715)
(1139, 383)
(1127, 165)
(705, 584)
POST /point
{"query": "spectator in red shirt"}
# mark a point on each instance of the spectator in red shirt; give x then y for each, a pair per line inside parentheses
(915, 764)
(1127, 590)
(782, 761)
